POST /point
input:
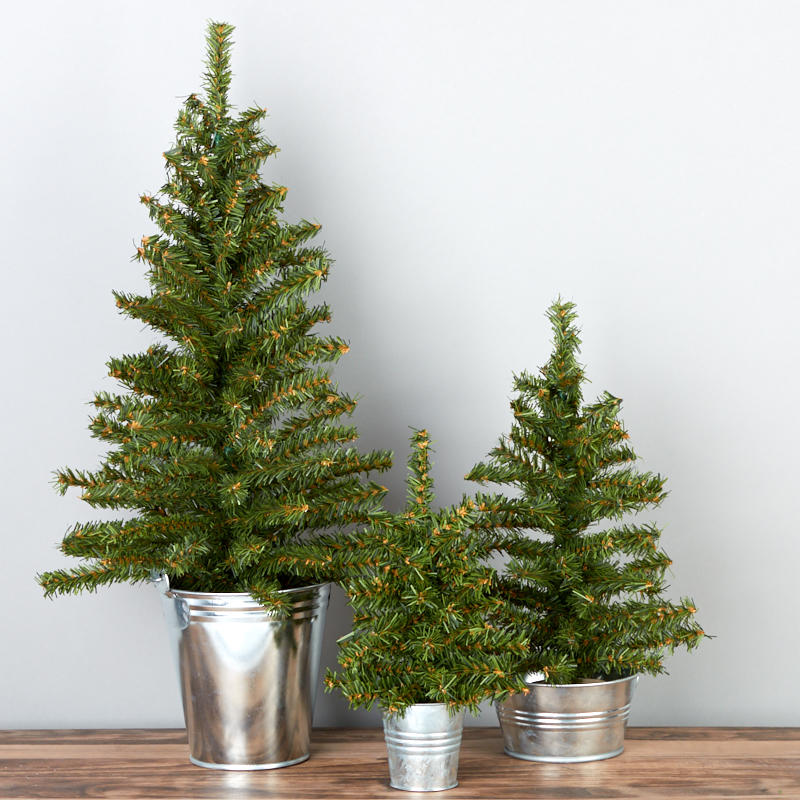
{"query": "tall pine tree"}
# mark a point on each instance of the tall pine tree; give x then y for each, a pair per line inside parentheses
(428, 626)
(230, 441)
(592, 596)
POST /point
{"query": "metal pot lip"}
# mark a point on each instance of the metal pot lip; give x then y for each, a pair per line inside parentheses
(162, 576)
(542, 683)
(426, 704)
(424, 708)
(244, 595)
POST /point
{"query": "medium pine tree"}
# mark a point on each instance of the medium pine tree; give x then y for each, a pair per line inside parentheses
(428, 626)
(592, 596)
(230, 441)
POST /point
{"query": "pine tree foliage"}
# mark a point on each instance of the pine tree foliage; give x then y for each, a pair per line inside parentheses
(593, 595)
(428, 625)
(229, 438)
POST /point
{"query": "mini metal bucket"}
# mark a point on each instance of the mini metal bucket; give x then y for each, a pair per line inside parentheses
(423, 747)
(567, 723)
(248, 676)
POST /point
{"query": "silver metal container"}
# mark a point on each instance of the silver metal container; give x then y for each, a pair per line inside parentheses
(248, 676)
(423, 747)
(567, 723)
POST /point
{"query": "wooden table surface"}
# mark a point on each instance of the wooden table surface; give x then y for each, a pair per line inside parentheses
(657, 763)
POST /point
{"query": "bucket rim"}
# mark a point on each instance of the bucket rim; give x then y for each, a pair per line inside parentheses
(157, 577)
(428, 706)
(588, 685)
(294, 590)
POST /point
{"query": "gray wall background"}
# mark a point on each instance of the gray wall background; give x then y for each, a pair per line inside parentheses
(469, 162)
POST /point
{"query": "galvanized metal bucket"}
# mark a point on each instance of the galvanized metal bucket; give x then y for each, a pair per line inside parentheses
(423, 747)
(567, 723)
(248, 677)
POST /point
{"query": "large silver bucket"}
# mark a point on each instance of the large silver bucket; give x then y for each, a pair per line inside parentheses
(566, 723)
(423, 747)
(248, 676)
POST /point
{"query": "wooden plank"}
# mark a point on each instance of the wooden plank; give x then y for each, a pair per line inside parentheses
(329, 750)
(750, 734)
(505, 779)
(95, 735)
(95, 752)
(658, 764)
(178, 735)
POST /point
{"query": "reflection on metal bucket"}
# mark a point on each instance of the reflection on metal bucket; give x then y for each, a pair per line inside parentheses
(248, 676)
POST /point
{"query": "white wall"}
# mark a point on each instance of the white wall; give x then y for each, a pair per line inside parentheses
(469, 162)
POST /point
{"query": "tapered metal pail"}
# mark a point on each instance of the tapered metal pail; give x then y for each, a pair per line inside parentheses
(566, 723)
(248, 676)
(423, 747)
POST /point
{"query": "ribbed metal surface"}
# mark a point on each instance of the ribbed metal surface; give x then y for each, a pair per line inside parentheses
(248, 676)
(423, 748)
(573, 722)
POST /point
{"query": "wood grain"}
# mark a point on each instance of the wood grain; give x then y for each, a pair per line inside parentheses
(658, 763)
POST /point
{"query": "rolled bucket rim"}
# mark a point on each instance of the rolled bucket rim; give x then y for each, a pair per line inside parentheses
(248, 767)
(294, 589)
(586, 685)
(564, 759)
(426, 703)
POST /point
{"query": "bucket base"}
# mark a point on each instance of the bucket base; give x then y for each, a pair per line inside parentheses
(248, 767)
(420, 789)
(563, 759)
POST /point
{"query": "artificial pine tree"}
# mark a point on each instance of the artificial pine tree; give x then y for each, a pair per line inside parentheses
(593, 597)
(229, 442)
(428, 626)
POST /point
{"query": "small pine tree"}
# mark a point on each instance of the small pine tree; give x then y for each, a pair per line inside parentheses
(594, 597)
(228, 444)
(427, 626)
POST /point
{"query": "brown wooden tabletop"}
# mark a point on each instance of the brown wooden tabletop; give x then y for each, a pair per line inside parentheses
(657, 763)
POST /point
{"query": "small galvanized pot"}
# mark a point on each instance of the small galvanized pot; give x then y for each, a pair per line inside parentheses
(567, 723)
(423, 747)
(248, 677)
